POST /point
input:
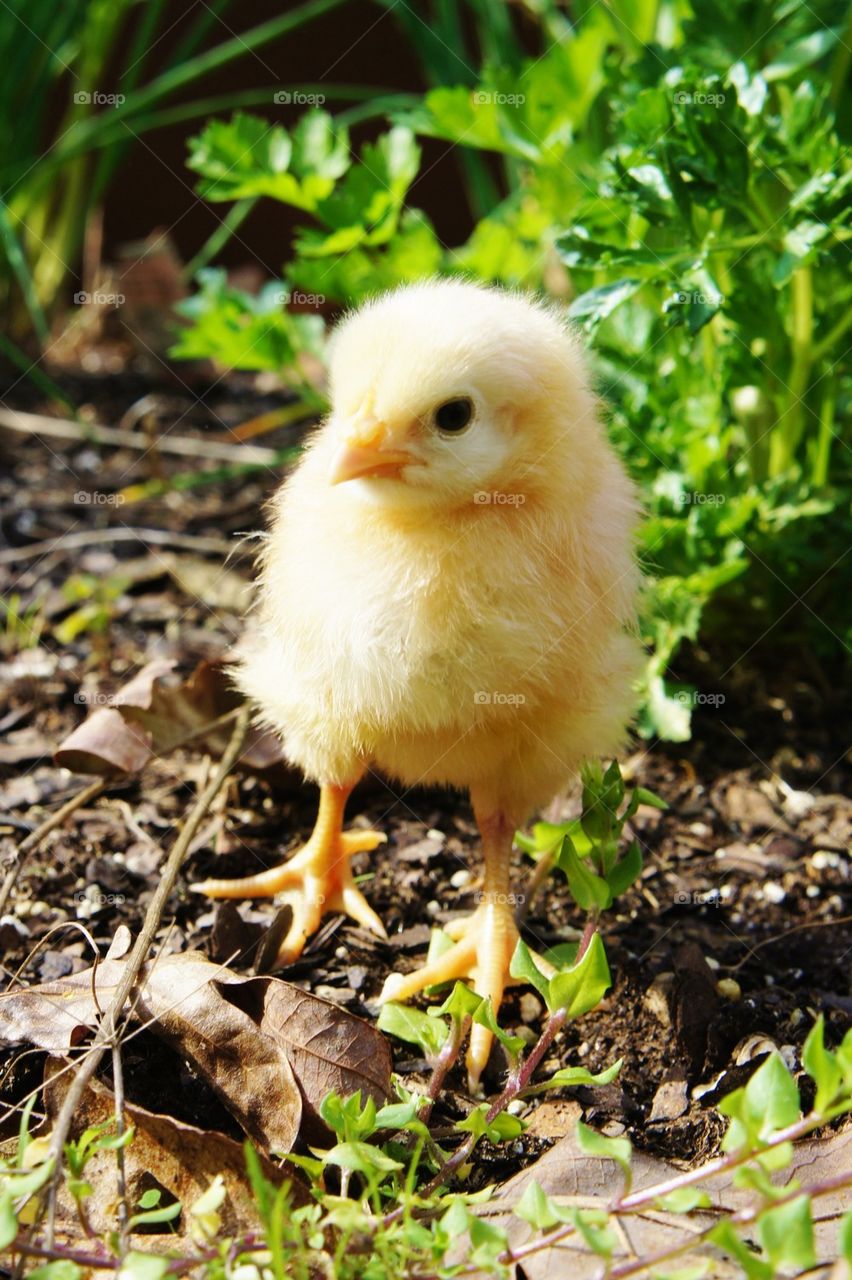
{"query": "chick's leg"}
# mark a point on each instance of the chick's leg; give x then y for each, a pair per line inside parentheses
(485, 940)
(317, 880)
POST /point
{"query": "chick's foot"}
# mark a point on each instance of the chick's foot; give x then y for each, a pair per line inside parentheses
(482, 953)
(316, 881)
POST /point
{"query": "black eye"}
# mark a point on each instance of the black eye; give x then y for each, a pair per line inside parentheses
(454, 415)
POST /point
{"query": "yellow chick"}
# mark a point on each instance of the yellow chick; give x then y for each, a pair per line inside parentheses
(447, 596)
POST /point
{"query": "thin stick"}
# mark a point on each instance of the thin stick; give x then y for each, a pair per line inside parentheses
(120, 533)
(118, 1093)
(107, 1033)
(36, 424)
(34, 839)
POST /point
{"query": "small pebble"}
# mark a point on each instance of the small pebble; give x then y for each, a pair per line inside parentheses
(337, 995)
(432, 908)
(774, 892)
(12, 932)
(460, 878)
(812, 891)
(516, 1107)
(531, 1007)
(434, 834)
(797, 1017)
(356, 976)
(825, 858)
(729, 989)
(790, 1055)
(584, 1049)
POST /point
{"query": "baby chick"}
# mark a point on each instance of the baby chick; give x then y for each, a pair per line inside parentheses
(447, 596)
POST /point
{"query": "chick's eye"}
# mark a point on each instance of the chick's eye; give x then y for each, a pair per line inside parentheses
(454, 415)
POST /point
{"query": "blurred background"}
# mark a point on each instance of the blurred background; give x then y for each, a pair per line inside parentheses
(191, 192)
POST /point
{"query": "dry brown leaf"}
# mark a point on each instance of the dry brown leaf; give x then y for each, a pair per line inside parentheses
(269, 1049)
(572, 1178)
(326, 1051)
(154, 713)
(164, 1153)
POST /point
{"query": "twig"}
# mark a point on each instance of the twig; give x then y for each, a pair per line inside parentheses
(118, 1094)
(107, 1033)
(36, 424)
(34, 839)
(121, 533)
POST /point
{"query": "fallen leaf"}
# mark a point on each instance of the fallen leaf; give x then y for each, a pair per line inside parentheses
(326, 1050)
(572, 1178)
(156, 712)
(165, 1154)
(270, 1050)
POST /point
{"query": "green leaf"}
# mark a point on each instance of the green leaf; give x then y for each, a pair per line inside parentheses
(844, 1239)
(725, 1236)
(821, 1065)
(592, 1143)
(582, 988)
(414, 1026)
(524, 967)
(61, 1269)
(167, 1213)
(484, 1016)
(593, 307)
(143, 1266)
(503, 1126)
(246, 157)
(589, 890)
(537, 1208)
(625, 872)
(787, 1234)
(361, 1157)
(8, 1220)
(769, 1102)
(569, 1077)
(462, 1002)
(684, 1200)
(592, 1226)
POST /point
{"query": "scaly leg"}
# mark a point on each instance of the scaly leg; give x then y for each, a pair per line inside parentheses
(486, 939)
(317, 880)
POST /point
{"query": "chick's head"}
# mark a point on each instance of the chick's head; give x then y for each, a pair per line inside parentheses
(446, 390)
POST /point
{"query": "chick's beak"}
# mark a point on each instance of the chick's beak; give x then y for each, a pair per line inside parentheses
(368, 451)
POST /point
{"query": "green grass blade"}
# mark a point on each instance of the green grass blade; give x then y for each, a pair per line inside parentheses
(20, 268)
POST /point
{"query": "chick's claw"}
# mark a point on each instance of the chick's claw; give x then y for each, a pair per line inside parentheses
(317, 881)
(482, 954)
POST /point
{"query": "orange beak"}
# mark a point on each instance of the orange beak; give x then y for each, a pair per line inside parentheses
(367, 452)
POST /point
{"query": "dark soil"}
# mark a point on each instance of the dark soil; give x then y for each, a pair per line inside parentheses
(736, 937)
